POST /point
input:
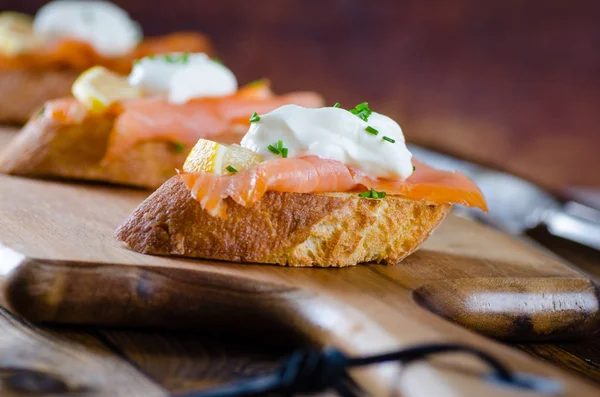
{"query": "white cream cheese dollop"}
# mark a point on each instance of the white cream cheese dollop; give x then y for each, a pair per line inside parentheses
(336, 134)
(105, 26)
(181, 77)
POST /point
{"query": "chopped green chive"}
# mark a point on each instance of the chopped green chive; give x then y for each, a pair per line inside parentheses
(255, 117)
(179, 148)
(337, 105)
(362, 111)
(173, 58)
(372, 194)
(176, 58)
(256, 82)
(387, 138)
(217, 60)
(273, 149)
(371, 130)
(41, 112)
(414, 168)
(278, 149)
(231, 169)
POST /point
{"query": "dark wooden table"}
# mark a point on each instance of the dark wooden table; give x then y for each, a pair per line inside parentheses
(128, 362)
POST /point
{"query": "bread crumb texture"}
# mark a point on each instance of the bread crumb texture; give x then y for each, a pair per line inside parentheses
(288, 229)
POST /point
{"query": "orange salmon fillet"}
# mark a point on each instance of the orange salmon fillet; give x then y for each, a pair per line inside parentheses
(155, 119)
(77, 55)
(317, 175)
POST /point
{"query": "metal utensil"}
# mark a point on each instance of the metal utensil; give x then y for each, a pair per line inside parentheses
(516, 205)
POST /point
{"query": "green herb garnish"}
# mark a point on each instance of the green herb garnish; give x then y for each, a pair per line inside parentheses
(217, 60)
(273, 149)
(362, 110)
(254, 83)
(42, 111)
(337, 105)
(179, 147)
(414, 168)
(231, 169)
(176, 58)
(371, 130)
(255, 118)
(387, 138)
(278, 149)
(372, 194)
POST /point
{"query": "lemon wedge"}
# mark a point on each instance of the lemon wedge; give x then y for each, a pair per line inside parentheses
(97, 88)
(16, 33)
(219, 158)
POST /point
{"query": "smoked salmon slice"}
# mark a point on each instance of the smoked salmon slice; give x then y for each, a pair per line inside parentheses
(77, 55)
(313, 174)
(224, 119)
(150, 119)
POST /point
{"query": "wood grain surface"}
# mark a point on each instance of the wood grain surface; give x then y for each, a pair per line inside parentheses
(63, 254)
(582, 357)
(80, 360)
(124, 363)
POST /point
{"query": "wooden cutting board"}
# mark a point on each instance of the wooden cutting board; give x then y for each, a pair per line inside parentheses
(59, 263)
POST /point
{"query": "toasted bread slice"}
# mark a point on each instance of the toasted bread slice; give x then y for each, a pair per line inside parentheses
(289, 229)
(23, 92)
(49, 148)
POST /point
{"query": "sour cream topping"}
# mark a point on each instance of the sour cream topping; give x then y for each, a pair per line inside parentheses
(105, 26)
(336, 134)
(181, 77)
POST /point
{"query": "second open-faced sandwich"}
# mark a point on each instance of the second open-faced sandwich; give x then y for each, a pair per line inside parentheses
(307, 187)
(137, 130)
(41, 56)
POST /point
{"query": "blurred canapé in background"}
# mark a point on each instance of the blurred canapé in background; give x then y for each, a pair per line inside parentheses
(512, 84)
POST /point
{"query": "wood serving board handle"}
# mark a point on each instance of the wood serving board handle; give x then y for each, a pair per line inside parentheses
(355, 310)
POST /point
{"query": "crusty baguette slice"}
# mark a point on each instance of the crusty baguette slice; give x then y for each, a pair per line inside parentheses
(290, 229)
(24, 92)
(49, 148)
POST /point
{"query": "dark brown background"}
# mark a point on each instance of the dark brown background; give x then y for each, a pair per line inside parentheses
(515, 84)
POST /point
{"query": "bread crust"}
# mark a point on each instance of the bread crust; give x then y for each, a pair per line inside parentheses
(46, 147)
(23, 92)
(289, 229)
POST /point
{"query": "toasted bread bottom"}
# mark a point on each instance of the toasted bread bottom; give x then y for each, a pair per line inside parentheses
(23, 92)
(289, 229)
(49, 148)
